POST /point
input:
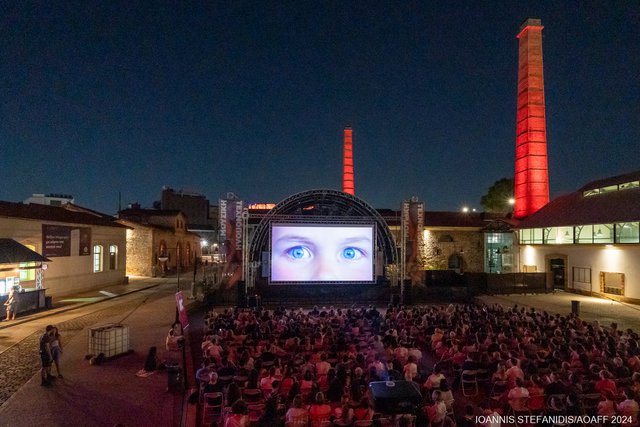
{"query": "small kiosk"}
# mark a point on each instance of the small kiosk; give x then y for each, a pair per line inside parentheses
(15, 259)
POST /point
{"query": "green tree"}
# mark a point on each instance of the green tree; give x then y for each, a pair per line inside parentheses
(498, 195)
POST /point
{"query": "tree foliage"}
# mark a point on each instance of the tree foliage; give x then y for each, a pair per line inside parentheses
(498, 195)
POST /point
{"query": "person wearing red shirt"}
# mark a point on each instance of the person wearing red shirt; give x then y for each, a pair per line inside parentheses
(605, 385)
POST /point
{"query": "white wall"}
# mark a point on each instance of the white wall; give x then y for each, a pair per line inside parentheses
(599, 258)
(71, 274)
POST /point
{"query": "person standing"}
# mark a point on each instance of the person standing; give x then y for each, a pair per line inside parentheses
(11, 304)
(45, 355)
(56, 349)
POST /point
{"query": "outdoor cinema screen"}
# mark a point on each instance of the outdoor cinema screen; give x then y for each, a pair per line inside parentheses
(321, 253)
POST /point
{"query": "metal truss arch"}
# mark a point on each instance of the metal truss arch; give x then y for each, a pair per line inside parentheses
(325, 206)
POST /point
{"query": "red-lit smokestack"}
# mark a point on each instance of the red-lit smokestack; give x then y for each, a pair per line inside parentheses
(347, 170)
(532, 174)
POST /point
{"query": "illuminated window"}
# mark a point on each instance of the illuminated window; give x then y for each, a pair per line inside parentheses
(630, 185)
(611, 188)
(531, 235)
(603, 233)
(113, 257)
(598, 233)
(27, 274)
(627, 232)
(493, 237)
(558, 235)
(97, 258)
(584, 234)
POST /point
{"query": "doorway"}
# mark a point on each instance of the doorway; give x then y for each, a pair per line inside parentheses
(558, 273)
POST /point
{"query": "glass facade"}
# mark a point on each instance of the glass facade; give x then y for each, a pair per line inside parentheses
(498, 252)
(628, 232)
(602, 234)
(558, 235)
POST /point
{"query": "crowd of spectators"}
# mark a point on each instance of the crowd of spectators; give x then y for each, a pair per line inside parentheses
(298, 367)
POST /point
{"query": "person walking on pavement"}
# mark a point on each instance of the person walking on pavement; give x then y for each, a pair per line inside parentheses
(11, 304)
(56, 349)
(45, 355)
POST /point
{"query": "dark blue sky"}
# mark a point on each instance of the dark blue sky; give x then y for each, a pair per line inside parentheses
(99, 97)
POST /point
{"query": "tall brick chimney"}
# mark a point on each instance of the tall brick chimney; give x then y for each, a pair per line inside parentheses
(532, 175)
(347, 170)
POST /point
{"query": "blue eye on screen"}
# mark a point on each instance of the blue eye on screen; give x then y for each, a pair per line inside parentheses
(298, 252)
(351, 253)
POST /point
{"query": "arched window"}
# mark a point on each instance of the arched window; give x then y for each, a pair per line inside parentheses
(456, 263)
(113, 257)
(188, 256)
(445, 238)
(97, 258)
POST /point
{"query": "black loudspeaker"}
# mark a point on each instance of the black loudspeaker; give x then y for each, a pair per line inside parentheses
(242, 294)
(254, 301)
(395, 397)
(408, 294)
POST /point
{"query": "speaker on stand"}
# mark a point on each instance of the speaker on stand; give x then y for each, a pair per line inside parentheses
(242, 294)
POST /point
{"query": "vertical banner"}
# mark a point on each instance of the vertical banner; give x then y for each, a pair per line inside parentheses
(231, 239)
(182, 310)
(223, 220)
(238, 224)
(84, 248)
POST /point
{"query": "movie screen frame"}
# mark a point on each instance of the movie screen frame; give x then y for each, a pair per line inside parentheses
(365, 275)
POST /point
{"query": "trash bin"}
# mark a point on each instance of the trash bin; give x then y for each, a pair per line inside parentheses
(175, 383)
(575, 307)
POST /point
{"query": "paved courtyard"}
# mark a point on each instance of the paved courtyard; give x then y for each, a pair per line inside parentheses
(604, 311)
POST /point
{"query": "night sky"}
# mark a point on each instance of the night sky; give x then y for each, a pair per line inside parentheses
(101, 97)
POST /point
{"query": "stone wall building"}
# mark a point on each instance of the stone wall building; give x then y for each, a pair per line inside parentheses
(158, 241)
